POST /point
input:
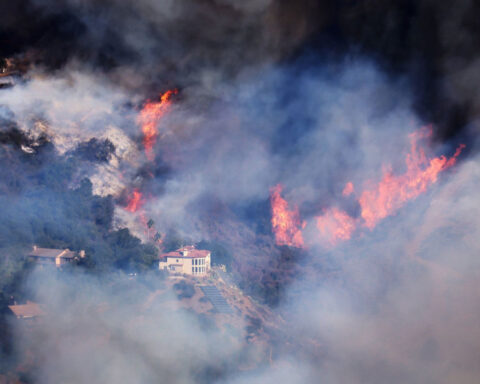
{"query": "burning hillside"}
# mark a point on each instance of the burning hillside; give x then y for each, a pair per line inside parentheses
(325, 154)
(285, 223)
(149, 118)
(377, 201)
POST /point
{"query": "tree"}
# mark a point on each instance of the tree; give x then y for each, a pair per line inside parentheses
(150, 224)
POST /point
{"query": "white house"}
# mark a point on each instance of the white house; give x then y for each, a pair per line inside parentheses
(186, 260)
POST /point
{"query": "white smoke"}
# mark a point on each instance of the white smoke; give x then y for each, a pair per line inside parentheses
(397, 304)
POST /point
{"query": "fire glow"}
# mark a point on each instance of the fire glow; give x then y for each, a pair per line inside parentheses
(376, 201)
(393, 191)
(135, 204)
(348, 190)
(286, 223)
(150, 115)
(335, 225)
(135, 201)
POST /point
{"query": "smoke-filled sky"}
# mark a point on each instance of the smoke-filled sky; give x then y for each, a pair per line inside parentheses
(307, 95)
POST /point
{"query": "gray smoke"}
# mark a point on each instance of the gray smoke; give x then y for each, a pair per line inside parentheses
(119, 330)
(395, 304)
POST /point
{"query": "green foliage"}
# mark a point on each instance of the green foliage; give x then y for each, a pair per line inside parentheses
(43, 202)
(39, 206)
(73, 219)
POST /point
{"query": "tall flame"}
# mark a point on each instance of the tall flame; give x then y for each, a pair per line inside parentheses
(377, 201)
(149, 117)
(389, 195)
(135, 201)
(135, 205)
(393, 191)
(286, 223)
(335, 225)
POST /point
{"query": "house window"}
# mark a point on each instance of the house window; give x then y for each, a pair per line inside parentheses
(177, 260)
(193, 269)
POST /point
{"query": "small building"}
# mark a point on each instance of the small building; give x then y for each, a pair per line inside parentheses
(49, 256)
(30, 310)
(186, 260)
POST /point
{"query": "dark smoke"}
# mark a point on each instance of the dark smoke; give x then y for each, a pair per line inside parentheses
(150, 44)
(307, 94)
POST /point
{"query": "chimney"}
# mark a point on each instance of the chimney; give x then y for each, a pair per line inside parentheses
(35, 247)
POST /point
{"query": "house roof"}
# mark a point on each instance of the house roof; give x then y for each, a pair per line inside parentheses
(26, 310)
(52, 253)
(189, 252)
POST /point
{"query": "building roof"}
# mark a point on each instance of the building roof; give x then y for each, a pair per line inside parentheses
(26, 310)
(52, 253)
(188, 252)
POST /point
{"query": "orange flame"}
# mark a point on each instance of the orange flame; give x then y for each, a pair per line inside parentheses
(335, 225)
(348, 190)
(390, 194)
(135, 201)
(393, 191)
(134, 205)
(149, 117)
(376, 202)
(286, 223)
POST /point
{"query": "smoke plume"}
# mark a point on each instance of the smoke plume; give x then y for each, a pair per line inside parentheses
(241, 126)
